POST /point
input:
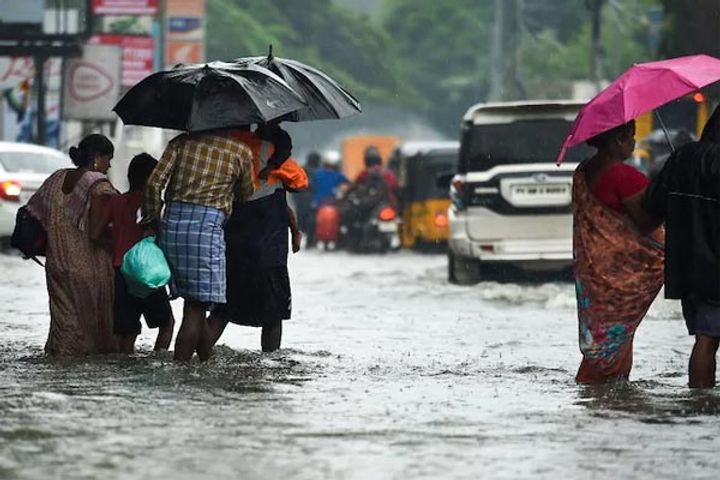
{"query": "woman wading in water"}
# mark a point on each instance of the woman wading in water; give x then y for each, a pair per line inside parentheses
(618, 265)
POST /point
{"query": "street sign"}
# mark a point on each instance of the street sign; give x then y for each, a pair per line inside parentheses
(92, 83)
(185, 31)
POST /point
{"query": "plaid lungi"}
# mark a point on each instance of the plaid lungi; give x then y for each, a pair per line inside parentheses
(193, 241)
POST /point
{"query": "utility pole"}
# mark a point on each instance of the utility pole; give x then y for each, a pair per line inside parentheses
(518, 37)
(596, 50)
(497, 67)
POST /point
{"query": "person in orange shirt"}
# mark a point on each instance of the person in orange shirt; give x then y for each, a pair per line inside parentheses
(258, 293)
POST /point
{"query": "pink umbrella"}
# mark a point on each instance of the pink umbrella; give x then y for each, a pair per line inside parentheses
(642, 88)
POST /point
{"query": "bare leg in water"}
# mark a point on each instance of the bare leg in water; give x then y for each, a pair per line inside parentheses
(702, 362)
(127, 343)
(271, 337)
(164, 336)
(215, 328)
(192, 330)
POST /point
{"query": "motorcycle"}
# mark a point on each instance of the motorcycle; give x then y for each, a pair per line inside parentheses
(347, 225)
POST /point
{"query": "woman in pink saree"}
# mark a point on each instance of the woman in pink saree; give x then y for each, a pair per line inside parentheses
(618, 264)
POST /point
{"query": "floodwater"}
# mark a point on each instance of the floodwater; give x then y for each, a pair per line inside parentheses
(387, 372)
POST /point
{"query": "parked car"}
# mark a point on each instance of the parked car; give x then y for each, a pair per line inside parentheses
(423, 200)
(510, 203)
(23, 168)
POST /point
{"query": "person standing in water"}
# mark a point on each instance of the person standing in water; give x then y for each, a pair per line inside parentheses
(201, 174)
(618, 256)
(686, 196)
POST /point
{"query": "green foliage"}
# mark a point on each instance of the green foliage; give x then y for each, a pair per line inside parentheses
(346, 45)
(435, 56)
(691, 27)
(443, 50)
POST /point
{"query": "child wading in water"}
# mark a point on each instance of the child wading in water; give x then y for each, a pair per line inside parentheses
(123, 215)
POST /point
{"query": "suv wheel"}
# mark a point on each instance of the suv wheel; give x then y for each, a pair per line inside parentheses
(463, 271)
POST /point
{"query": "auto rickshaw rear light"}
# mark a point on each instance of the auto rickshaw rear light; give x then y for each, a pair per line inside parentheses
(699, 97)
(387, 214)
(10, 190)
(441, 220)
(487, 248)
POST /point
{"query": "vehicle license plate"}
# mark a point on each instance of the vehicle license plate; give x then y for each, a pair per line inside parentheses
(550, 191)
(387, 227)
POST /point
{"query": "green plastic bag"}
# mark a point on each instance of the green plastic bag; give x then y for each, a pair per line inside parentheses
(145, 268)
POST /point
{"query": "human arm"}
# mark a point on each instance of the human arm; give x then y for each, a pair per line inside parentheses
(295, 232)
(630, 185)
(152, 201)
(99, 214)
(644, 221)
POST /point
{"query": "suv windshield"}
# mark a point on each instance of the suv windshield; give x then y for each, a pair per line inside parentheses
(14, 162)
(522, 141)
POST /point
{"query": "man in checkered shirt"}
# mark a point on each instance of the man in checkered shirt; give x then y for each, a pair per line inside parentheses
(201, 174)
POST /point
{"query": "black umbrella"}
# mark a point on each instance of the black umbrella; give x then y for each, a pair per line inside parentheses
(325, 98)
(208, 96)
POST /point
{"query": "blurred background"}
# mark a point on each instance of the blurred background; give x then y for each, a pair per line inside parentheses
(415, 65)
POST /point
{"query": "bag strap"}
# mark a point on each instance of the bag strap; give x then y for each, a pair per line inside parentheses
(35, 259)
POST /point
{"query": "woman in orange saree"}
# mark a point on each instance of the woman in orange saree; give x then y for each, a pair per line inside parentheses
(618, 267)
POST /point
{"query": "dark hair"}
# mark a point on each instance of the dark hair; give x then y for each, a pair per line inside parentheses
(372, 157)
(280, 139)
(140, 169)
(89, 147)
(313, 159)
(608, 136)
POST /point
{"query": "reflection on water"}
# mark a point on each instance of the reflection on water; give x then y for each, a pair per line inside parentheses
(389, 372)
(650, 401)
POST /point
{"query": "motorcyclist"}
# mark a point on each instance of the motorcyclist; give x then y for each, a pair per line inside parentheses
(375, 171)
(327, 179)
(373, 186)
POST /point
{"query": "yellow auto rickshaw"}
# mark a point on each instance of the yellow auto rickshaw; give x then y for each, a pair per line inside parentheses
(423, 203)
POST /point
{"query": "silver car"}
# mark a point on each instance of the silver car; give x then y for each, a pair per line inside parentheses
(23, 168)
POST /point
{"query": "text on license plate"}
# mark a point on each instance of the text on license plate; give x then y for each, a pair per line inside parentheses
(549, 190)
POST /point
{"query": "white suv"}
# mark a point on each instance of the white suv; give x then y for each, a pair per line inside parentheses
(510, 202)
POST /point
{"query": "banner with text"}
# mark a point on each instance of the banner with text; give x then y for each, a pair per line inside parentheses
(137, 55)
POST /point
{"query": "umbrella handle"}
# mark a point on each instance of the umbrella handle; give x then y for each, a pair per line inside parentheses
(664, 129)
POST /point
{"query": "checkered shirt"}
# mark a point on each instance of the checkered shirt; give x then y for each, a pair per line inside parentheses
(202, 169)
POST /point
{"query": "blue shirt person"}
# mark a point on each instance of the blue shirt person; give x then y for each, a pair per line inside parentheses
(324, 183)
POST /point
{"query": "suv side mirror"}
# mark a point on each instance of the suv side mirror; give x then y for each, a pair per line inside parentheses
(442, 180)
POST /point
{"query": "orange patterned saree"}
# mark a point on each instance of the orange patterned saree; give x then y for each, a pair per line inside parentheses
(618, 274)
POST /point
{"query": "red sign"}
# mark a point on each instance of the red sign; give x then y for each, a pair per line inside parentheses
(138, 54)
(124, 7)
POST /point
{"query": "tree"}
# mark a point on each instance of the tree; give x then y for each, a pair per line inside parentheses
(443, 50)
(346, 45)
(691, 27)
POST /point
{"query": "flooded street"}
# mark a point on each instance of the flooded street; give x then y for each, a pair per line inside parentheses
(387, 371)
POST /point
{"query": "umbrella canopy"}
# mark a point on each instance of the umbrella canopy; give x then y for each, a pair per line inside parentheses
(325, 98)
(208, 96)
(642, 88)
